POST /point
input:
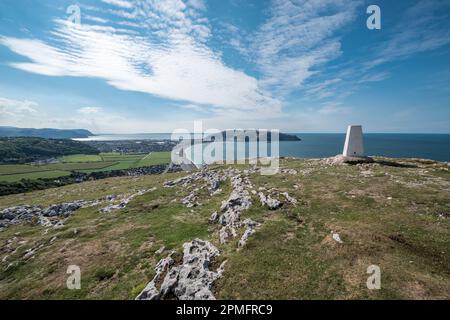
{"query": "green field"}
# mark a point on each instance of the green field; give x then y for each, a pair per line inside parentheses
(82, 163)
(33, 175)
(82, 158)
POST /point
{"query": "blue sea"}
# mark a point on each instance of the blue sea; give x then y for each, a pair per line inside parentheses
(319, 145)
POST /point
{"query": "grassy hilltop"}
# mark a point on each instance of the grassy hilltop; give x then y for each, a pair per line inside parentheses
(394, 215)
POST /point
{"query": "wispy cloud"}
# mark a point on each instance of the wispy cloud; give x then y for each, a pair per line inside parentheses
(298, 37)
(418, 30)
(176, 65)
(164, 48)
(333, 108)
(119, 3)
(17, 112)
(89, 110)
(12, 107)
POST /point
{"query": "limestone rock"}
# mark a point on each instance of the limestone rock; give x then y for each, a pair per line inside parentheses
(191, 280)
(251, 230)
(270, 202)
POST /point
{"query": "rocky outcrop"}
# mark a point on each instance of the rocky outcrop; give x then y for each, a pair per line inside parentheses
(191, 280)
(151, 292)
(231, 209)
(249, 231)
(48, 217)
(124, 201)
(54, 215)
(290, 199)
(343, 160)
(289, 171)
(269, 202)
(211, 178)
(191, 199)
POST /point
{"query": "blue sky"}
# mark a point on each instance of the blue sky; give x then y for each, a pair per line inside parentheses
(155, 66)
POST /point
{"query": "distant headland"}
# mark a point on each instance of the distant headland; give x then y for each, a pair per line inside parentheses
(47, 133)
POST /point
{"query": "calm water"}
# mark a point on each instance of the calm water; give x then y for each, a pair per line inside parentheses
(318, 145)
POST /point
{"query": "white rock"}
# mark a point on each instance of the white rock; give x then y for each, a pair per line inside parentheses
(337, 238)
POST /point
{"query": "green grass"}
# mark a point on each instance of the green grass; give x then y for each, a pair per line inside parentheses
(34, 175)
(292, 255)
(121, 157)
(82, 163)
(154, 158)
(81, 158)
(73, 166)
(20, 168)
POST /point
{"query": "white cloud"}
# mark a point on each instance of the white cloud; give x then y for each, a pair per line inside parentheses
(192, 107)
(418, 30)
(17, 112)
(11, 107)
(298, 37)
(177, 65)
(333, 108)
(89, 110)
(119, 3)
(95, 19)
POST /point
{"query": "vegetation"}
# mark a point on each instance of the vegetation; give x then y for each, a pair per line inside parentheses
(44, 133)
(82, 158)
(26, 149)
(81, 163)
(396, 217)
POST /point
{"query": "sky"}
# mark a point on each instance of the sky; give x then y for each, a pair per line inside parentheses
(141, 66)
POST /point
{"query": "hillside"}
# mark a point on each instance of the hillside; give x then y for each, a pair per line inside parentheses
(44, 133)
(309, 232)
(27, 149)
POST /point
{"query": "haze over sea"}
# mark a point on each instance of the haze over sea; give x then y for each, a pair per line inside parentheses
(319, 145)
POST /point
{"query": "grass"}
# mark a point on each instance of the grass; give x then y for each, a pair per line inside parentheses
(389, 219)
(82, 163)
(82, 158)
(20, 168)
(154, 158)
(34, 175)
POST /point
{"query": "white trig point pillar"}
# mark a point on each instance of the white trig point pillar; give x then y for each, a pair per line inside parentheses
(354, 146)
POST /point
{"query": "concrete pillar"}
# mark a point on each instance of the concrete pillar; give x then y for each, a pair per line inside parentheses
(354, 146)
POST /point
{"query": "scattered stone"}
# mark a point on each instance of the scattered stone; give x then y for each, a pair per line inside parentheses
(150, 292)
(125, 201)
(55, 215)
(289, 198)
(343, 160)
(251, 230)
(268, 201)
(337, 238)
(214, 217)
(47, 217)
(190, 200)
(443, 215)
(160, 250)
(191, 280)
(289, 171)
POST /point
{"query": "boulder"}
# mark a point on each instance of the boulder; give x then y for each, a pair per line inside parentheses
(191, 280)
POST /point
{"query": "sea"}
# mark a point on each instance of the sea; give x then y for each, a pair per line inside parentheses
(320, 145)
